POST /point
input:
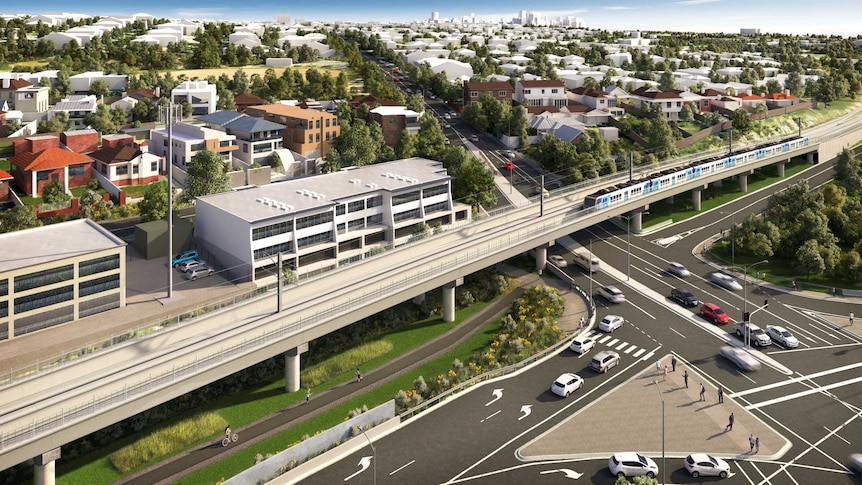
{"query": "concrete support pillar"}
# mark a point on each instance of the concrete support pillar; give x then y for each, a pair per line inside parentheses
(718, 183)
(637, 220)
(695, 198)
(669, 200)
(743, 182)
(419, 299)
(541, 257)
(43, 467)
(810, 157)
(291, 367)
(780, 167)
(449, 302)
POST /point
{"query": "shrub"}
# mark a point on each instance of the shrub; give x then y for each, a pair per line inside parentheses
(345, 362)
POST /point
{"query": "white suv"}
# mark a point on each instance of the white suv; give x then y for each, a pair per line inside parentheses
(604, 360)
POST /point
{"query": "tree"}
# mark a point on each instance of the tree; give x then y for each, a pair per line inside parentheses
(206, 175)
(741, 120)
(431, 140)
(356, 147)
(18, 218)
(808, 258)
(687, 112)
(60, 122)
(276, 163)
(88, 200)
(659, 136)
(848, 171)
(667, 81)
(54, 192)
(154, 206)
(406, 146)
(99, 87)
(415, 103)
(472, 183)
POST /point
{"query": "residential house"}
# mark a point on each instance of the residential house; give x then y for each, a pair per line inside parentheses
(5, 180)
(308, 132)
(453, 69)
(77, 106)
(393, 120)
(244, 100)
(188, 140)
(499, 90)
(780, 100)
(669, 102)
(201, 95)
(541, 92)
(32, 101)
(81, 83)
(8, 88)
(32, 171)
(124, 162)
(257, 138)
(126, 104)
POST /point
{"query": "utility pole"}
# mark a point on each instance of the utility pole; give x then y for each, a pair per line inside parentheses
(169, 112)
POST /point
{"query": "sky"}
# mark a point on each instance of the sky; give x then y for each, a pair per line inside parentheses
(831, 17)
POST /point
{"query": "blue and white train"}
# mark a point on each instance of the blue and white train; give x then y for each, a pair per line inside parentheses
(625, 191)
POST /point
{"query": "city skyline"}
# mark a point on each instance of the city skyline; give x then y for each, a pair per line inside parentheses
(831, 17)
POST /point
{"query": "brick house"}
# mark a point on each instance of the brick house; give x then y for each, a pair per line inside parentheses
(393, 120)
(499, 90)
(124, 162)
(33, 170)
(5, 180)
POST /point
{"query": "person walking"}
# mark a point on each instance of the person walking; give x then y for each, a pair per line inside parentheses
(720, 394)
(658, 366)
(358, 375)
(673, 364)
(751, 443)
(685, 378)
(757, 444)
(664, 375)
(729, 426)
(307, 395)
(794, 286)
(851, 319)
(702, 393)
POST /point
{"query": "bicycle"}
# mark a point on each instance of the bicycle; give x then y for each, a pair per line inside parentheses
(228, 440)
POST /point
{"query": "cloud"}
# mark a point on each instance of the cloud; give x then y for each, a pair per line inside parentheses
(694, 2)
(618, 7)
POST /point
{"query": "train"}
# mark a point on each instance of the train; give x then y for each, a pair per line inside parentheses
(656, 182)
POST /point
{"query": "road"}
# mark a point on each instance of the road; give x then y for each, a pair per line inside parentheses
(817, 407)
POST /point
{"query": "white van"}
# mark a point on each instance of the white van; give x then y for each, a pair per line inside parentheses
(583, 260)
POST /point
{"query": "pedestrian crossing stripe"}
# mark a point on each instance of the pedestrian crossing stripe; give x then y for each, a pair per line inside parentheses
(613, 342)
(605, 339)
(647, 356)
(629, 350)
(622, 346)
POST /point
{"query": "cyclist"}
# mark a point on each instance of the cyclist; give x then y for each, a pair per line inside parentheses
(227, 432)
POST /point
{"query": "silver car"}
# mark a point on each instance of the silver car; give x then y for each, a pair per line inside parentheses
(781, 336)
(199, 271)
(740, 357)
(612, 294)
(725, 281)
(677, 269)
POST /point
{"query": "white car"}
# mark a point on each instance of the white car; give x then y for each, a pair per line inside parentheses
(725, 281)
(474, 138)
(678, 270)
(630, 464)
(558, 260)
(740, 357)
(184, 267)
(447, 125)
(566, 384)
(199, 271)
(856, 462)
(604, 361)
(612, 294)
(698, 464)
(611, 323)
(781, 336)
(582, 345)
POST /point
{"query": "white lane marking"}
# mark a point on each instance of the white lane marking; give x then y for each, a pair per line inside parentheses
(674, 331)
(647, 356)
(743, 375)
(402, 467)
(796, 380)
(837, 435)
(828, 347)
(754, 465)
(621, 346)
(629, 350)
(742, 470)
(639, 352)
(804, 393)
(491, 416)
(613, 342)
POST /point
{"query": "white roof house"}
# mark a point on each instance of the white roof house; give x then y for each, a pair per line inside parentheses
(453, 69)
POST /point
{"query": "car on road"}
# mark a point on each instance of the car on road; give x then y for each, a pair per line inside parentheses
(756, 334)
(508, 165)
(566, 384)
(453, 114)
(183, 257)
(611, 323)
(199, 271)
(447, 125)
(781, 336)
(582, 345)
(698, 464)
(684, 297)
(630, 464)
(725, 281)
(474, 138)
(856, 462)
(678, 269)
(447, 116)
(740, 357)
(510, 154)
(446, 141)
(612, 294)
(604, 361)
(558, 260)
(711, 311)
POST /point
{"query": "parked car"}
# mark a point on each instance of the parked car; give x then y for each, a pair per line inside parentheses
(756, 335)
(698, 464)
(582, 345)
(185, 267)
(183, 257)
(711, 311)
(678, 270)
(604, 361)
(611, 323)
(566, 384)
(558, 260)
(630, 464)
(199, 272)
(725, 281)
(781, 336)
(740, 357)
(684, 297)
(612, 294)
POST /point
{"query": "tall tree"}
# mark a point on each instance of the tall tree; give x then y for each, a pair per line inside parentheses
(431, 138)
(154, 206)
(206, 175)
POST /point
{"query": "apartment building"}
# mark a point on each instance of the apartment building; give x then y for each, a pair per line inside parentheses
(393, 120)
(473, 91)
(327, 220)
(77, 106)
(256, 138)
(308, 132)
(46, 285)
(201, 95)
(188, 140)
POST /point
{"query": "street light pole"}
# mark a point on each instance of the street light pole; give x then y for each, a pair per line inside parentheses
(745, 298)
(373, 455)
(663, 467)
(628, 219)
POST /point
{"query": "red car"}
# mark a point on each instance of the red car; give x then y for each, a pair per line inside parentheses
(712, 312)
(508, 165)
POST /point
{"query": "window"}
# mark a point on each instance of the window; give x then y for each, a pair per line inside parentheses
(271, 230)
(432, 191)
(224, 143)
(273, 250)
(310, 138)
(41, 175)
(357, 224)
(99, 285)
(356, 206)
(154, 166)
(327, 122)
(502, 94)
(98, 265)
(411, 214)
(440, 206)
(313, 220)
(77, 170)
(314, 239)
(317, 123)
(554, 91)
(405, 198)
(43, 278)
(135, 169)
(123, 170)
(4, 287)
(376, 201)
(43, 299)
(527, 91)
(197, 147)
(317, 137)
(340, 209)
(245, 147)
(263, 147)
(474, 94)
(374, 220)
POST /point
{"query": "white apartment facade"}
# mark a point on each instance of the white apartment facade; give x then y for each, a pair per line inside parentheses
(188, 140)
(541, 92)
(201, 95)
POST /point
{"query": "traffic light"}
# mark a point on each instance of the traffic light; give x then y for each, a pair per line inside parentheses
(746, 316)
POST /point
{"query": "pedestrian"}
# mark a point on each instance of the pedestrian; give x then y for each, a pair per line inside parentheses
(704, 249)
(851, 319)
(673, 364)
(685, 378)
(729, 426)
(582, 322)
(720, 394)
(658, 366)
(757, 444)
(702, 393)
(307, 395)
(751, 443)
(358, 375)
(664, 376)
(794, 286)
(833, 292)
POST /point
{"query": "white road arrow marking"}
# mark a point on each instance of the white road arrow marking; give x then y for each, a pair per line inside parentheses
(569, 473)
(526, 410)
(497, 393)
(364, 462)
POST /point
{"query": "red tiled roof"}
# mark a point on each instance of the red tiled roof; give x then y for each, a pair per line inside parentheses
(247, 99)
(593, 93)
(118, 154)
(5, 175)
(537, 110)
(19, 83)
(142, 93)
(777, 96)
(578, 108)
(48, 159)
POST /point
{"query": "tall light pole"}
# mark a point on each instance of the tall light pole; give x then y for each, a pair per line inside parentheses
(373, 455)
(628, 219)
(745, 298)
(663, 468)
